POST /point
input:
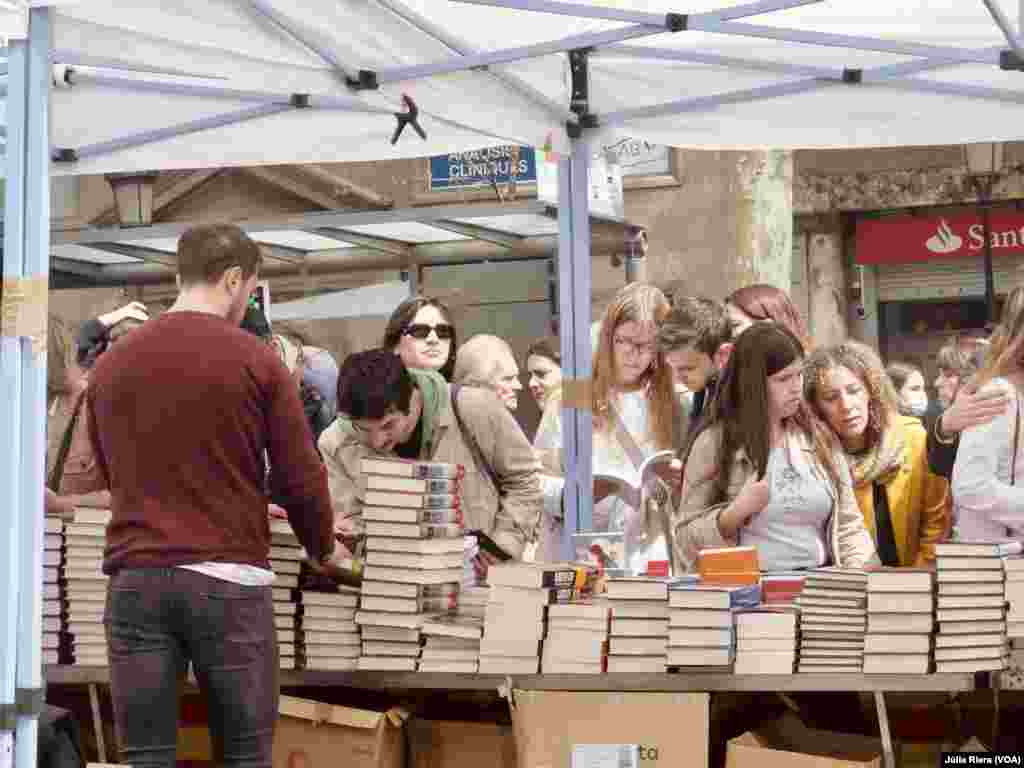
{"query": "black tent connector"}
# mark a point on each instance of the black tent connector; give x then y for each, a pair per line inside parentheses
(65, 155)
(1009, 60)
(365, 80)
(300, 100)
(853, 76)
(676, 22)
(411, 116)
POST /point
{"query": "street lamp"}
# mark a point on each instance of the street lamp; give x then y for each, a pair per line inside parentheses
(984, 163)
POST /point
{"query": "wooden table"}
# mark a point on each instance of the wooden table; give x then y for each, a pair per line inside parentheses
(711, 682)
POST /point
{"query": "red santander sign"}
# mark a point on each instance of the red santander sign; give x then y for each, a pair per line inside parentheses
(903, 239)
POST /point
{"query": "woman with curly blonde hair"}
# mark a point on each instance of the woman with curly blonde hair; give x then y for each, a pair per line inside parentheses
(906, 507)
(636, 413)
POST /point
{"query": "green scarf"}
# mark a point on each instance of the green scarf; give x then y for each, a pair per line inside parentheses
(879, 462)
(434, 391)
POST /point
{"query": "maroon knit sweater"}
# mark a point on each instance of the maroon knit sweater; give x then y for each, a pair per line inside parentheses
(182, 411)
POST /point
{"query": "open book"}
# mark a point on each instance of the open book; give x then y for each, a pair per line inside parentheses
(656, 466)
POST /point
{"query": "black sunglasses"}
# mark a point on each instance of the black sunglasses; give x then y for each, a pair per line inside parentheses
(421, 331)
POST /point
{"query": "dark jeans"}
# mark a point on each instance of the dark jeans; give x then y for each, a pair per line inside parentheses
(159, 619)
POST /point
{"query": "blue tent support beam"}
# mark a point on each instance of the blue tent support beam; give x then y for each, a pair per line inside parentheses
(10, 400)
(36, 266)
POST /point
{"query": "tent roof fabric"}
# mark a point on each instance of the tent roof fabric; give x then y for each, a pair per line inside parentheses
(146, 84)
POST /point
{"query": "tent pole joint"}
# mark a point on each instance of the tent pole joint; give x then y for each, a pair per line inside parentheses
(365, 80)
(853, 76)
(1009, 60)
(65, 155)
(579, 104)
(300, 100)
(677, 22)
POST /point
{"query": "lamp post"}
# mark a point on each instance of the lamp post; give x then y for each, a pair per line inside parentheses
(984, 163)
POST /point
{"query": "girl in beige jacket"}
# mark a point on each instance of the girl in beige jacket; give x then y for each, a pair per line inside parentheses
(765, 472)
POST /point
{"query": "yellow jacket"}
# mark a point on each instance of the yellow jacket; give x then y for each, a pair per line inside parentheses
(919, 502)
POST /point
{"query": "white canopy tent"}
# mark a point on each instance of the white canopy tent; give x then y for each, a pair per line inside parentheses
(148, 84)
(371, 300)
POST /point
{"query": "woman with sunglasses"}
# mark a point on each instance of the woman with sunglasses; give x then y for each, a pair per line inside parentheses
(420, 332)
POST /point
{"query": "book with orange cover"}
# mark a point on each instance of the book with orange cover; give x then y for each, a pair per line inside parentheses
(729, 565)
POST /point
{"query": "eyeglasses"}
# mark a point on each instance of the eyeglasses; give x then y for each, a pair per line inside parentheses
(421, 331)
(628, 345)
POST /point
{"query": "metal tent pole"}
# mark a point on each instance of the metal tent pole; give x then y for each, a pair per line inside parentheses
(10, 399)
(574, 308)
(33, 372)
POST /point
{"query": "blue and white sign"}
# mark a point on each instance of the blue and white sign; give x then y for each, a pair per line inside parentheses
(483, 167)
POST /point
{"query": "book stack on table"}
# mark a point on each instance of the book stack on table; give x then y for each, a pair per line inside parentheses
(330, 636)
(451, 643)
(1013, 591)
(286, 556)
(972, 600)
(414, 556)
(85, 538)
(701, 633)
(766, 639)
(577, 638)
(56, 644)
(516, 616)
(833, 613)
(638, 599)
(901, 605)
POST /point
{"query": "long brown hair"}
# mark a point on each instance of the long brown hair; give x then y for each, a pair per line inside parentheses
(741, 405)
(646, 305)
(766, 302)
(1007, 344)
(862, 362)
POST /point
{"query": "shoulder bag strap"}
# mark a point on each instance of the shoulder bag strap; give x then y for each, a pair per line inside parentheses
(1016, 443)
(470, 439)
(625, 438)
(57, 475)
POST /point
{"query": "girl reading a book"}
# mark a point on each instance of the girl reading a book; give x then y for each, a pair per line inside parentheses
(765, 472)
(636, 413)
(989, 506)
(905, 506)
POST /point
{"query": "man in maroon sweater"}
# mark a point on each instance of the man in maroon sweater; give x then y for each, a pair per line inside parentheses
(183, 412)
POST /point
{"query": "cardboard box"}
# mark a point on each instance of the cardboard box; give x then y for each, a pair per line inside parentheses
(450, 744)
(560, 729)
(788, 743)
(311, 734)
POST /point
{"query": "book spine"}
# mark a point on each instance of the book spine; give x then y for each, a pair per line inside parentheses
(434, 471)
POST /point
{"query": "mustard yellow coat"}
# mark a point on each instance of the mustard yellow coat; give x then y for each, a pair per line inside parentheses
(920, 503)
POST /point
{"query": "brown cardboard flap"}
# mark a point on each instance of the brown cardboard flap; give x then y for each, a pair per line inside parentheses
(318, 712)
(788, 742)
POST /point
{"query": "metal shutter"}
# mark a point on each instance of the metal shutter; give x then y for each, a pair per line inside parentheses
(947, 278)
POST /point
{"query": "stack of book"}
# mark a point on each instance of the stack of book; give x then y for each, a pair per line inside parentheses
(516, 615)
(330, 635)
(972, 599)
(415, 556)
(451, 643)
(577, 637)
(286, 556)
(1013, 569)
(473, 601)
(901, 605)
(638, 599)
(833, 622)
(701, 622)
(766, 639)
(85, 538)
(56, 649)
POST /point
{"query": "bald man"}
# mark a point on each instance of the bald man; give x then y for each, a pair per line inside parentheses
(487, 362)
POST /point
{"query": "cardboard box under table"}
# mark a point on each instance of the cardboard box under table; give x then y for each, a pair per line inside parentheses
(561, 729)
(310, 734)
(788, 743)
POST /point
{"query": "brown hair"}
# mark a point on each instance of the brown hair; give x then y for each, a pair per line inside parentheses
(644, 304)
(766, 302)
(900, 372)
(862, 362)
(695, 322)
(741, 405)
(547, 346)
(403, 317)
(207, 251)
